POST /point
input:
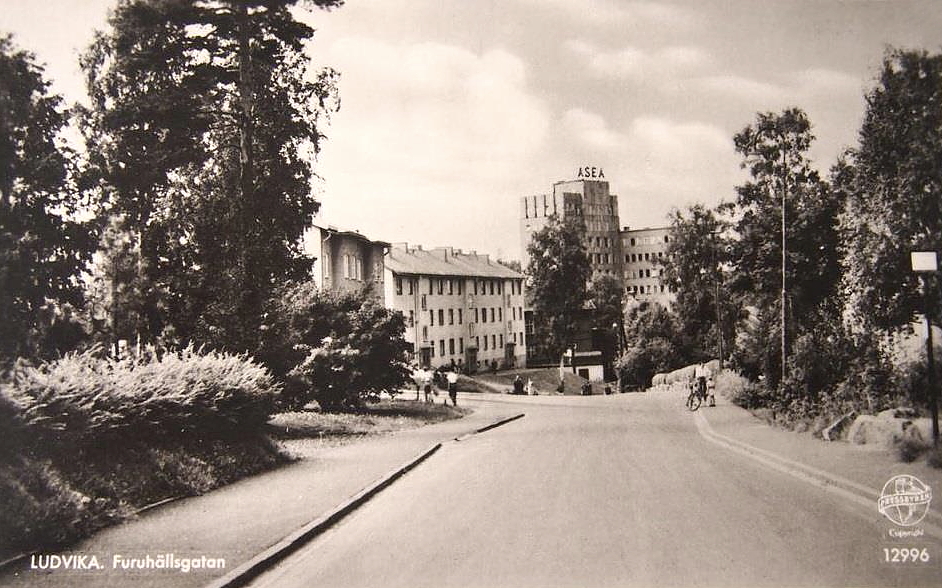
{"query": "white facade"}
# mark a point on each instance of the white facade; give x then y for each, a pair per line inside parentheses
(461, 308)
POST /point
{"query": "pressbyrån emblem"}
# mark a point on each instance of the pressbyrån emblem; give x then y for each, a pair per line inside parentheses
(905, 500)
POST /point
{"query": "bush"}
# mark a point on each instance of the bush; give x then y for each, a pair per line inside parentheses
(364, 357)
(83, 397)
(910, 449)
(935, 458)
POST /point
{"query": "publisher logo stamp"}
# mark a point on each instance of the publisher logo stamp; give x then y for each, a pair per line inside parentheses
(905, 500)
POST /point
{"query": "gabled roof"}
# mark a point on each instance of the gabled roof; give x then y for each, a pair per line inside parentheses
(445, 261)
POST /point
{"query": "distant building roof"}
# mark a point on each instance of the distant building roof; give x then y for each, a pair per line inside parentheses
(333, 230)
(445, 261)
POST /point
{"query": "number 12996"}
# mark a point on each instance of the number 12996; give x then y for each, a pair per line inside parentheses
(905, 555)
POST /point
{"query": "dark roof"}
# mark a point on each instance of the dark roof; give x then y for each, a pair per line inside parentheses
(332, 230)
(445, 261)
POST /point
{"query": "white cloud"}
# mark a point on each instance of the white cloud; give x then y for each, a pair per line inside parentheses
(637, 65)
(616, 13)
(428, 131)
(591, 132)
(669, 163)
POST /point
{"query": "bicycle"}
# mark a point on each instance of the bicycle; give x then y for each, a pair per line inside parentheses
(696, 397)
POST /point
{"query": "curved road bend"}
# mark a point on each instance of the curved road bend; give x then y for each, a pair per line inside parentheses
(600, 491)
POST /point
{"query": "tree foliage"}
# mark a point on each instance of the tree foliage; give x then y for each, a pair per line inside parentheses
(558, 272)
(774, 150)
(607, 295)
(653, 344)
(43, 248)
(893, 185)
(339, 349)
(205, 125)
(694, 270)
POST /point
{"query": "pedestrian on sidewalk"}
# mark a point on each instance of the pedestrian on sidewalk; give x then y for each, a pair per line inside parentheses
(711, 390)
(427, 384)
(518, 385)
(453, 386)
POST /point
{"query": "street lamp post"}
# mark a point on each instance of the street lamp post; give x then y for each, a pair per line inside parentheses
(925, 263)
(760, 133)
(716, 297)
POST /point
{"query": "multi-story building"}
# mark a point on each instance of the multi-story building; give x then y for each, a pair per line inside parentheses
(591, 202)
(461, 308)
(644, 252)
(346, 261)
(632, 256)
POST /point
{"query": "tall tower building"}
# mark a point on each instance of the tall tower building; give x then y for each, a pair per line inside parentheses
(589, 199)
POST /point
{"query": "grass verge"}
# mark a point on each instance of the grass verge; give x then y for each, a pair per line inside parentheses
(386, 416)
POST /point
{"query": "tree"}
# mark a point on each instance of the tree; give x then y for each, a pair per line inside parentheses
(43, 248)
(607, 296)
(206, 125)
(339, 349)
(774, 150)
(653, 345)
(693, 269)
(558, 272)
(893, 186)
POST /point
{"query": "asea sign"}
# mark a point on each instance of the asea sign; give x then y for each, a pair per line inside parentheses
(591, 173)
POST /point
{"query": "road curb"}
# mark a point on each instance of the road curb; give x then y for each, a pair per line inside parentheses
(251, 569)
(847, 489)
(490, 426)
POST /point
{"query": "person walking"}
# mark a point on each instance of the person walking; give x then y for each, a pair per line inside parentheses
(427, 384)
(453, 386)
(518, 385)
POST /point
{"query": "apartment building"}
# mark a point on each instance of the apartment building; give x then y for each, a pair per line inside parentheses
(461, 308)
(346, 261)
(644, 252)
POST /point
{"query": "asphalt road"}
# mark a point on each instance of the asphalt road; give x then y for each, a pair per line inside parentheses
(602, 491)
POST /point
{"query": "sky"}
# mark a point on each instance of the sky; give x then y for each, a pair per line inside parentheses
(451, 110)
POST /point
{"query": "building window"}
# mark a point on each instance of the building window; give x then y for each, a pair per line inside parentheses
(399, 286)
(475, 287)
(485, 342)
(521, 337)
(411, 318)
(441, 286)
(500, 314)
(492, 287)
(460, 287)
(441, 347)
(431, 317)
(430, 287)
(501, 340)
(451, 316)
(451, 286)
(411, 286)
(424, 333)
(476, 315)
(483, 315)
(494, 341)
(477, 342)
(460, 316)
(492, 314)
(451, 347)
(441, 316)
(460, 344)
(432, 349)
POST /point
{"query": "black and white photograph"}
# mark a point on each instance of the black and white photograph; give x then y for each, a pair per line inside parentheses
(470, 294)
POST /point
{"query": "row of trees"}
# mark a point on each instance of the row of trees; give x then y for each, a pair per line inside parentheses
(841, 288)
(180, 221)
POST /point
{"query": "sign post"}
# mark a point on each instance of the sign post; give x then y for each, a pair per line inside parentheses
(925, 263)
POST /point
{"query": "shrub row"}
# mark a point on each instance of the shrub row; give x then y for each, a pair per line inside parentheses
(88, 439)
(83, 397)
